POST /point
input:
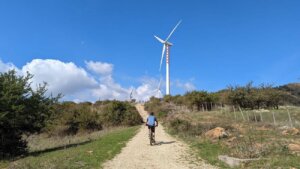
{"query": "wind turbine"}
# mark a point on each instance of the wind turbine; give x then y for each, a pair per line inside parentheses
(158, 93)
(131, 94)
(166, 46)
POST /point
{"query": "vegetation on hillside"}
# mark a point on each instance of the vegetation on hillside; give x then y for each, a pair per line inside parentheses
(25, 111)
(258, 120)
(294, 93)
(71, 118)
(244, 97)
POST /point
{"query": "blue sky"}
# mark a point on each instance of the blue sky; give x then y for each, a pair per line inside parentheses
(218, 43)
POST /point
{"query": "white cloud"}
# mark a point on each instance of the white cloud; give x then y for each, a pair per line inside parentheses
(101, 68)
(145, 91)
(148, 88)
(66, 78)
(77, 84)
(109, 89)
(4, 67)
(186, 86)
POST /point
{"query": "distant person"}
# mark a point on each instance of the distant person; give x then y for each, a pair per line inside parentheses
(152, 122)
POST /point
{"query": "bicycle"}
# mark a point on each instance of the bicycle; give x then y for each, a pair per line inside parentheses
(151, 136)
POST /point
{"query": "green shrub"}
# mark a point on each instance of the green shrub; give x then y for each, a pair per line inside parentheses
(73, 118)
(162, 114)
(158, 107)
(118, 113)
(132, 116)
(83, 118)
(22, 111)
(179, 126)
(185, 128)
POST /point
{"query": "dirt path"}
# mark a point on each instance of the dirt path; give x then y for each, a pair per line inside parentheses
(168, 153)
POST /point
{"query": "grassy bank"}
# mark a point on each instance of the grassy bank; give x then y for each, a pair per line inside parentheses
(247, 139)
(88, 154)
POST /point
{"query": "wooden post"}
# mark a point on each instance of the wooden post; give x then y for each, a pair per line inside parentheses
(248, 118)
(202, 108)
(234, 112)
(255, 116)
(221, 108)
(290, 119)
(274, 120)
(261, 117)
(211, 105)
(242, 113)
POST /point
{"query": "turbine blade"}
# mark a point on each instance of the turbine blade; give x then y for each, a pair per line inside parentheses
(158, 88)
(173, 31)
(160, 93)
(160, 40)
(154, 91)
(131, 93)
(162, 56)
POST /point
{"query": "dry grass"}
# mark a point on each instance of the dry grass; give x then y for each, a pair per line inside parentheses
(43, 142)
(247, 139)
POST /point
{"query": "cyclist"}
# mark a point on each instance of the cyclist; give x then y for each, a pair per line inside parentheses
(152, 122)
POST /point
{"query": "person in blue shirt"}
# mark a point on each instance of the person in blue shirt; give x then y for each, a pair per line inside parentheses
(152, 122)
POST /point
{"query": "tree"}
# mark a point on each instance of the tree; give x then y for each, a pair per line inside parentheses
(264, 96)
(22, 111)
(196, 98)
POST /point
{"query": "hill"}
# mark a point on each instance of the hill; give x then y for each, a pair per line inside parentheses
(293, 91)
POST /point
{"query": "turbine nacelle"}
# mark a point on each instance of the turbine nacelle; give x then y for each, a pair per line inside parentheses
(163, 42)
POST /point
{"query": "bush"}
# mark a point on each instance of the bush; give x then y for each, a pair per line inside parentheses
(22, 110)
(179, 126)
(162, 114)
(118, 113)
(75, 118)
(185, 128)
(132, 116)
(160, 108)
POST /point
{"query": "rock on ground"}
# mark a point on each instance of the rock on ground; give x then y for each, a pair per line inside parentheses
(216, 133)
(234, 162)
(291, 131)
(294, 147)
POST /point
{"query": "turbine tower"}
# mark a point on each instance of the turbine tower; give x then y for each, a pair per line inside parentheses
(166, 47)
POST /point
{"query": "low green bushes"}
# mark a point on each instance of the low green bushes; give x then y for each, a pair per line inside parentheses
(185, 128)
(118, 113)
(157, 106)
(86, 117)
(83, 118)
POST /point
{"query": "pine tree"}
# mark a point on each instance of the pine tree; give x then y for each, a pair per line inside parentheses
(22, 111)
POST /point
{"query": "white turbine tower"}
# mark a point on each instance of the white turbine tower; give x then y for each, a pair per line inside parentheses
(166, 46)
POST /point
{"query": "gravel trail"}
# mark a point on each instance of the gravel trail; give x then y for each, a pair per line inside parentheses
(168, 153)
